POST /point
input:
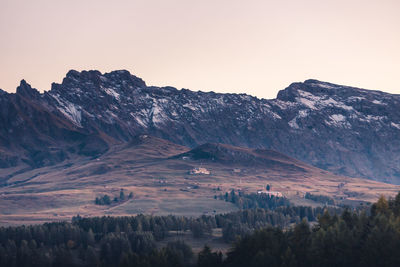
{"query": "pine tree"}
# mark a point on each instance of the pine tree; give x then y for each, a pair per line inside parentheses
(289, 259)
(207, 258)
(381, 206)
(90, 237)
(106, 200)
(91, 258)
(122, 194)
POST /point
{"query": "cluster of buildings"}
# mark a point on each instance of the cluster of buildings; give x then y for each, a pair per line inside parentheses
(200, 170)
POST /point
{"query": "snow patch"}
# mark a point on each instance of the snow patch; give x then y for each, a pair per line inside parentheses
(338, 117)
(139, 120)
(377, 102)
(338, 120)
(374, 118)
(303, 113)
(157, 114)
(316, 102)
(307, 99)
(275, 116)
(293, 123)
(395, 125)
(283, 104)
(112, 93)
(189, 106)
(71, 111)
(356, 98)
(323, 85)
(326, 86)
(308, 95)
(220, 100)
(333, 102)
(308, 103)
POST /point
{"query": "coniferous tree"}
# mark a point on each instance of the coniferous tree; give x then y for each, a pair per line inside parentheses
(122, 194)
(207, 258)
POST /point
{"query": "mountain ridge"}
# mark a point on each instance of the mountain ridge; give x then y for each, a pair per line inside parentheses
(334, 127)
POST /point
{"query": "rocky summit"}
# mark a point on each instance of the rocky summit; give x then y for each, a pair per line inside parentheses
(346, 130)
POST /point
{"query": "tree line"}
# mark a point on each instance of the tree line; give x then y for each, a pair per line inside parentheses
(320, 198)
(351, 239)
(104, 241)
(278, 237)
(106, 199)
(253, 201)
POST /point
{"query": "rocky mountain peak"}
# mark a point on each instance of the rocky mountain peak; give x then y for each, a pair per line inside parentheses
(94, 80)
(77, 79)
(25, 89)
(313, 87)
(125, 77)
(2, 92)
(317, 95)
(322, 84)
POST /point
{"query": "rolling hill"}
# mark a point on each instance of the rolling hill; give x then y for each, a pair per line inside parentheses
(157, 171)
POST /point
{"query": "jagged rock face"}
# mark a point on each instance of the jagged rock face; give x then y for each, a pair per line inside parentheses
(347, 130)
(30, 133)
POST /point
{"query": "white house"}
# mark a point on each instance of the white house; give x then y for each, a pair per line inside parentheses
(200, 171)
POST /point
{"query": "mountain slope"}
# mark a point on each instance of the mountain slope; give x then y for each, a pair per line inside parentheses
(346, 130)
(159, 173)
(30, 134)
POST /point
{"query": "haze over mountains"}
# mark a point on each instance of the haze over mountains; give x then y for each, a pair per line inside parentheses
(346, 130)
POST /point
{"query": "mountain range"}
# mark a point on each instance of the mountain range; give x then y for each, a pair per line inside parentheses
(345, 130)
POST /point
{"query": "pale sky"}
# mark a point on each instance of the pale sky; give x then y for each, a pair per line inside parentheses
(255, 46)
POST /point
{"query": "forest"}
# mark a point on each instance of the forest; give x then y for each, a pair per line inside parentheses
(274, 235)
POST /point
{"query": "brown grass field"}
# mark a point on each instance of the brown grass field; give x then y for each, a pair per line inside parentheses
(161, 184)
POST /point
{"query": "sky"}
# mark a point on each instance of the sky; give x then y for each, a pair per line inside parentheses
(256, 47)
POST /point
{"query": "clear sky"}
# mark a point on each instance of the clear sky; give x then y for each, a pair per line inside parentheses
(255, 46)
